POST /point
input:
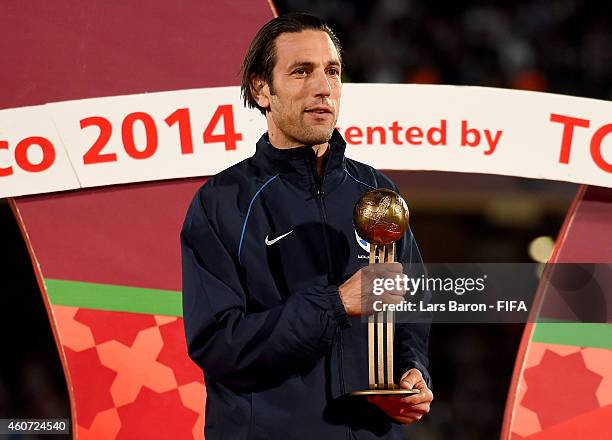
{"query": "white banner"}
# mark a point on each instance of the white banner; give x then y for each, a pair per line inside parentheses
(135, 138)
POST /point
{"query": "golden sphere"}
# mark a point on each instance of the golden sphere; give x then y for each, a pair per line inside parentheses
(381, 216)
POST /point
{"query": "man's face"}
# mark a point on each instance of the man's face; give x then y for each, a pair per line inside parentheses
(305, 95)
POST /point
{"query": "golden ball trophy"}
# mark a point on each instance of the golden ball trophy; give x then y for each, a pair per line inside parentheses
(381, 218)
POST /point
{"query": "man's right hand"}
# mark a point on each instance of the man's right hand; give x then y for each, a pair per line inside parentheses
(357, 292)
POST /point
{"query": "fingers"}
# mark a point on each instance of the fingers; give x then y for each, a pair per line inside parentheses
(406, 419)
(383, 270)
(420, 409)
(424, 396)
(413, 413)
(408, 401)
(400, 401)
(406, 409)
(411, 378)
(400, 411)
(391, 266)
(391, 298)
(380, 283)
(387, 270)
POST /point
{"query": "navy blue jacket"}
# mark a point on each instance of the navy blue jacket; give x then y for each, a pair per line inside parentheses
(263, 318)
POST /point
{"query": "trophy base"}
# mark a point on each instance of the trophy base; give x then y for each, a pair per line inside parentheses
(397, 392)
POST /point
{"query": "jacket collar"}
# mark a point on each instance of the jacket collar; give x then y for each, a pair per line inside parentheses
(298, 164)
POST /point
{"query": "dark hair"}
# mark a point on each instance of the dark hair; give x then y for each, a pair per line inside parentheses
(260, 58)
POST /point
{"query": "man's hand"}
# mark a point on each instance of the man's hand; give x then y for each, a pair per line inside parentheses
(357, 292)
(408, 409)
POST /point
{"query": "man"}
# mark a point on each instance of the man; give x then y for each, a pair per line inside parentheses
(272, 274)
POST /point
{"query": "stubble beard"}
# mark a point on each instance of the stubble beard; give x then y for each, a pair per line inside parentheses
(315, 135)
(305, 134)
(297, 130)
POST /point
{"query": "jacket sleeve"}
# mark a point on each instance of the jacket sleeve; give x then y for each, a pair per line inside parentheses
(241, 350)
(412, 338)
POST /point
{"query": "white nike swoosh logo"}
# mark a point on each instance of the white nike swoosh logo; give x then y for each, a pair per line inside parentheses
(271, 242)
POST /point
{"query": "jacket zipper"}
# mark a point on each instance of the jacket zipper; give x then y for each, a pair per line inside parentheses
(321, 205)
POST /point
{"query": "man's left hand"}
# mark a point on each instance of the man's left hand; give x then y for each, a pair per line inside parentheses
(407, 409)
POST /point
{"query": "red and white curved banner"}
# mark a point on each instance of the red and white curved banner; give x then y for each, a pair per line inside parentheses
(165, 135)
